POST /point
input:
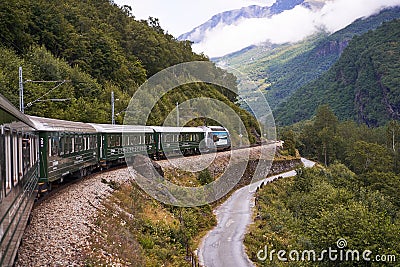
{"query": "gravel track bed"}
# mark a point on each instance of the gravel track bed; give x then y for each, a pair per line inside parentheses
(60, 226)
(58, 234)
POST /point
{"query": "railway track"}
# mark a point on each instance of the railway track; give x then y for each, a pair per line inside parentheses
(59, 187)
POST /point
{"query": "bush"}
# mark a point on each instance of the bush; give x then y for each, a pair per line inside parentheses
(205, 177)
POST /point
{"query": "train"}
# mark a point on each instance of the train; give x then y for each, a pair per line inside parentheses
(38, 152)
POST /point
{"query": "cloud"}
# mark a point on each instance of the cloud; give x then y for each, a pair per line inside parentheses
(289, 26)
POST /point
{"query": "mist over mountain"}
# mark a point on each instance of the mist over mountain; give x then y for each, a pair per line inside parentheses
(287, 21)
(234, 16)
(279, 70)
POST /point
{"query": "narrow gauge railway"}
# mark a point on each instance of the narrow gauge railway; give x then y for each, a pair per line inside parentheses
(37, 153)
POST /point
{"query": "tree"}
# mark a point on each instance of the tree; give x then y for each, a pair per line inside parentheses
(321, 135)
(365, 157)
(289, 139)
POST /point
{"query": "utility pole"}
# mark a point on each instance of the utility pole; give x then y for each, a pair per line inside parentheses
(177, 114)
(112, 108)
(21, 90)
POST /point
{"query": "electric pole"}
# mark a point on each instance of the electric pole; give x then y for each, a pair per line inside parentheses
(21, 91)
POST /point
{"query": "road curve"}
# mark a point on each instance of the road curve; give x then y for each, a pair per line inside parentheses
(223, 246)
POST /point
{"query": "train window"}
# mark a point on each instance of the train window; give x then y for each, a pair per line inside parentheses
(110, 141)
(169, 138)
(135, 140)
(114, 140)
(78, 143)
(125, 140)
(72, 147)
(20, 158)
(33, 150)
(67, 145)
(93, 142)
(62, 145)
(149, 139)
(1, 180)
(54, 145)
(15, 158)
(26, 154)
(8, 161)
(49, 146)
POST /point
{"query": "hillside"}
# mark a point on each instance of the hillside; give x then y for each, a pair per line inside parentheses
(363, 85)
(279, 70)
(97, 47)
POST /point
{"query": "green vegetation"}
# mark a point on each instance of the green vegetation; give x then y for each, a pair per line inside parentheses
(355, 197)
(205, 177)
(362, 86)
(98, 47)
(136, 230)
(280, 70)
(319, 206)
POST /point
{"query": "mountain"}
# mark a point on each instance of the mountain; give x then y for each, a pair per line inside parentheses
(363, 85)
(234, 16)
(279, 70)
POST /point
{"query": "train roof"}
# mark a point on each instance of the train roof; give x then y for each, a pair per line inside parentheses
(161, 129)
(15, 117)
(55, 125)
(113, 128)
(214, 128)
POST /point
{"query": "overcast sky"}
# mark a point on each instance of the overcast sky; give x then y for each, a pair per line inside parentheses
(181, 16)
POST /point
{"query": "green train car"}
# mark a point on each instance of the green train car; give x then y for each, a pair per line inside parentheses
(65, 148)
(18, 177)
(119, 141)
(177, 140)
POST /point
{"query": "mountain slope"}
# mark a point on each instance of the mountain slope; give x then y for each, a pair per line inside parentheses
(364, 85)
(281, 70)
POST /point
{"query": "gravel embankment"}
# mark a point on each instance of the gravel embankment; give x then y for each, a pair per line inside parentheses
(60, 226)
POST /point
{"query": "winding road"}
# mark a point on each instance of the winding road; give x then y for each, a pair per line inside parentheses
(223, 246)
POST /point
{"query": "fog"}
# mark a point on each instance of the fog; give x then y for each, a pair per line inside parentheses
(290, 26)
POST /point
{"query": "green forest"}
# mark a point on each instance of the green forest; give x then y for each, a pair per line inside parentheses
(363, 85)
(280, 70)
(352, 194)
(96, 47)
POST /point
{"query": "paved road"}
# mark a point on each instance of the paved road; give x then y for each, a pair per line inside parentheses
(223, 246)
